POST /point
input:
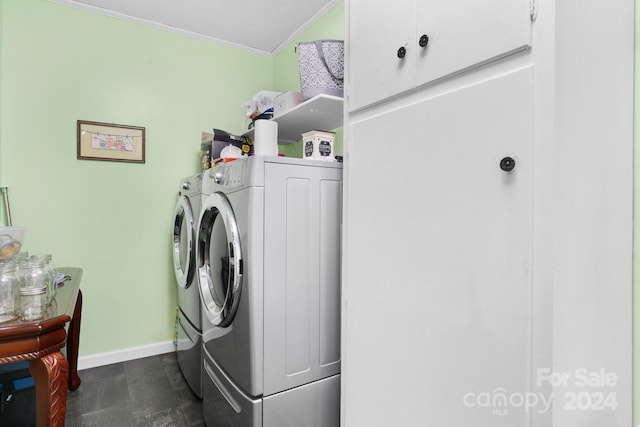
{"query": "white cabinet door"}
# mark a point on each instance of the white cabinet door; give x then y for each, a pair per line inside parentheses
(462, 34)
(467, 33)
(375, 34)
(437, 285)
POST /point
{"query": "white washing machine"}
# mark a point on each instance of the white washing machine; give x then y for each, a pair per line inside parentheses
(268, 255)
(184, 262)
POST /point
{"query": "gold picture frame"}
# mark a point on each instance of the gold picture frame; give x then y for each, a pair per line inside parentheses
(110, 142)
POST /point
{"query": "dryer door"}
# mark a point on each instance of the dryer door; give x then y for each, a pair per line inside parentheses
(184, 255)
(219, 260)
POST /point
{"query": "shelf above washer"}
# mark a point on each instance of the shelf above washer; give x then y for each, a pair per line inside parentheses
(322, 112)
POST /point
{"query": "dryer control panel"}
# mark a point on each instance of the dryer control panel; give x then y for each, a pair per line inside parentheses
(250, 172)
(235, 174)
(227, 176)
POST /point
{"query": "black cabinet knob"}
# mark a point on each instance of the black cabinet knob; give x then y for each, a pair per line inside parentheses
(424, 40)
(507, 164)
(402, 52)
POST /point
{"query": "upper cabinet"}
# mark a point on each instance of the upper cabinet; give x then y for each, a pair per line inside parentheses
(375, 34)
(409, 43)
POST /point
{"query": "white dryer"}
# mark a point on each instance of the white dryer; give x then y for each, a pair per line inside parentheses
(189, 329)
(268, 255)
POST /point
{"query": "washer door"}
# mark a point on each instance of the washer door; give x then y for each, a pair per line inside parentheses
(219, 260)
(184, 254)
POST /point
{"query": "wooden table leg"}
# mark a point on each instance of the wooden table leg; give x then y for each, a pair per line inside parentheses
(73, 342)
(50, 375)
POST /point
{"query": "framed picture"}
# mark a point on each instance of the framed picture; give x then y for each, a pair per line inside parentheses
(111, 142)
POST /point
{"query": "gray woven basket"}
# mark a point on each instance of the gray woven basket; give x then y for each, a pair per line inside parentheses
(321, 66)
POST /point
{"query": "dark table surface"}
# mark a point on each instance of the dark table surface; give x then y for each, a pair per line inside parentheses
(58, 313)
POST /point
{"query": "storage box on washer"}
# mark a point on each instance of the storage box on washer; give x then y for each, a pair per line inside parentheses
(318, 145)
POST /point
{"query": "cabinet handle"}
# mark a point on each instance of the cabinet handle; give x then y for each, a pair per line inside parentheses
(507, 164)
(424, 40)
(402, 52)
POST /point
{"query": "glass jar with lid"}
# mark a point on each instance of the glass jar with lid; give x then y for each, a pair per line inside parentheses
(33, 274)
(32, 303)
(50, 270)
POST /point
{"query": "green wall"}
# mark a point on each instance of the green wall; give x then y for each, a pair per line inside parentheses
(114, 220)
(58, 65)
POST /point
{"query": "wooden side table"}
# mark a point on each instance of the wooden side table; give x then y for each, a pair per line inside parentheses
(40, 341)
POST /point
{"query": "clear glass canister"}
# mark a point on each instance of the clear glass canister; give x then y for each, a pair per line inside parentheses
(9, 286)
(32, 303)
(33, 274)
(50, 270)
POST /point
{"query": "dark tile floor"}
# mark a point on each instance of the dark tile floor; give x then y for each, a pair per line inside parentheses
(143, 392)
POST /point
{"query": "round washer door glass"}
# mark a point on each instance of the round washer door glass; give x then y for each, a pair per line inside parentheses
(219, 260)
(184, 254)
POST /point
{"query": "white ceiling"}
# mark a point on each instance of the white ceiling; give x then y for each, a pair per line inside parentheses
(261, 26)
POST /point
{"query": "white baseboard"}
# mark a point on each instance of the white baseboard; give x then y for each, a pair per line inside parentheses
(101, 359)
